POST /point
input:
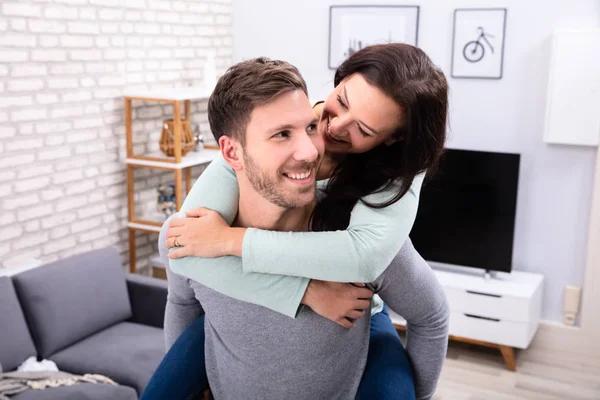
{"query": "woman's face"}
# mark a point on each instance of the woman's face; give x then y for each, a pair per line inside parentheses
(358, 117)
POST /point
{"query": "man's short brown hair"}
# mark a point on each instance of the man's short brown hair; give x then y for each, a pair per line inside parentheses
(245, 86)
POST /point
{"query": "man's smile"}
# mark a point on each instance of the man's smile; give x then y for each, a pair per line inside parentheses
(302, 177)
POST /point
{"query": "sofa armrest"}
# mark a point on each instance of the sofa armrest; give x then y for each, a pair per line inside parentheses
(148, 297)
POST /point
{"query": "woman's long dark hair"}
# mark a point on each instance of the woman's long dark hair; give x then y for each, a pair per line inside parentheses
(407, 75)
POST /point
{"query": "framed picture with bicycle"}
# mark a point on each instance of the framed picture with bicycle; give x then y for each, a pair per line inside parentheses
(478, 43)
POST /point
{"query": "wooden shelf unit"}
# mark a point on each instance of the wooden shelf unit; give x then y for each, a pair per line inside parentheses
(180, 165)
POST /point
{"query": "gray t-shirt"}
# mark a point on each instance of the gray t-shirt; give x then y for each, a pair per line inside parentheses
(255, 353)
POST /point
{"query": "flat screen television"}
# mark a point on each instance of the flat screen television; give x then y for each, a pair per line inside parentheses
(467, 210)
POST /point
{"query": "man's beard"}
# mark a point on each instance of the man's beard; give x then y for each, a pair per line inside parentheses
(272, 186)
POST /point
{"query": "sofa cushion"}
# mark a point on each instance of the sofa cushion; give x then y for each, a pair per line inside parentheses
(128, 353)
(16, 344)
(70, 299)
(80, 391)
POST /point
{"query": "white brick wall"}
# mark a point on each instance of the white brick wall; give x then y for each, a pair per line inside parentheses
(64, 67)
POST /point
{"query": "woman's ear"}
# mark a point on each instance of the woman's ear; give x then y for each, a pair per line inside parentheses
(232, 152)
(391, 140)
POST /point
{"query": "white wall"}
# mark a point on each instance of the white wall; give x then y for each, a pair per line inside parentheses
(63, 68)
(504, 115)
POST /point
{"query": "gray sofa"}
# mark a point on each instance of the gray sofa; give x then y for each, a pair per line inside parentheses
(88, 316)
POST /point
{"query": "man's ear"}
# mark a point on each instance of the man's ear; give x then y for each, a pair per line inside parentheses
(232, 152)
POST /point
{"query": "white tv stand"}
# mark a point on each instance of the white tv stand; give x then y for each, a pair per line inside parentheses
(499, 310)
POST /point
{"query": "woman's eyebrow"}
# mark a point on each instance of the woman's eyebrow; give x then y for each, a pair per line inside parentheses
(348, 103)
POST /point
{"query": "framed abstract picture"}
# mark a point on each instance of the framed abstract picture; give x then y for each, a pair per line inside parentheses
(353, 27)
(478, 43)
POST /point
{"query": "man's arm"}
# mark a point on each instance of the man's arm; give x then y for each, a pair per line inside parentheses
(410, 288)
(182, 306)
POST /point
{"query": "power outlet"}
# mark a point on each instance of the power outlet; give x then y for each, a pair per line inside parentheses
(571, 301)
(570, 318)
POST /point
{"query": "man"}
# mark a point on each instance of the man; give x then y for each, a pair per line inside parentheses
(253, 352)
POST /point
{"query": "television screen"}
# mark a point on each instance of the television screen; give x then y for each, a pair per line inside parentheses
(467, 210)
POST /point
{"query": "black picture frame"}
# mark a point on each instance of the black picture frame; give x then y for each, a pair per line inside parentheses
(475, 44)
(411, 8)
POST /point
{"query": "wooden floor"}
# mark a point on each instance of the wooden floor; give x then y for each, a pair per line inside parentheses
(477, 373)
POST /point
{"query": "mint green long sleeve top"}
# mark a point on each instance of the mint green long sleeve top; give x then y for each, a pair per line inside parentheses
(276, 267)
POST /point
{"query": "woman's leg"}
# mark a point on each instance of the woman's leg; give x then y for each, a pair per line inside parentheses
(181, 374)
(388, 373)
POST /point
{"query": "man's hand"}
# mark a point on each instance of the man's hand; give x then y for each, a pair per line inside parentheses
(340, 302)
(203, 234)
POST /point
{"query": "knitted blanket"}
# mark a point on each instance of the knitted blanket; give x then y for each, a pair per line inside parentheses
(12, 383)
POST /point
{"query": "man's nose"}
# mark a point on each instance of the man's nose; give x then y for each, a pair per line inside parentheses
(305, 149)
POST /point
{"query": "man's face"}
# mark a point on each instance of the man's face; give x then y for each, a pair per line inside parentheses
(283, 150)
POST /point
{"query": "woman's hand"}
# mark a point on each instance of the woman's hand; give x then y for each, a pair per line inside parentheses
(203, 234)
(342, 303)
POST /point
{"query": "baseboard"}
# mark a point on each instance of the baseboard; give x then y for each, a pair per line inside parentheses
(555, 336)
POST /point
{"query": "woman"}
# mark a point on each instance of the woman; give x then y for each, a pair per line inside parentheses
(384, 125)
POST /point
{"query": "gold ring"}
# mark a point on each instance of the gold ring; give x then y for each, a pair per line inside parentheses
(176, 242)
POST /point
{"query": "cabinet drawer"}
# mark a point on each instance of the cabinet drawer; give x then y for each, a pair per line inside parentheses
(508, 333)
(488, 305)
